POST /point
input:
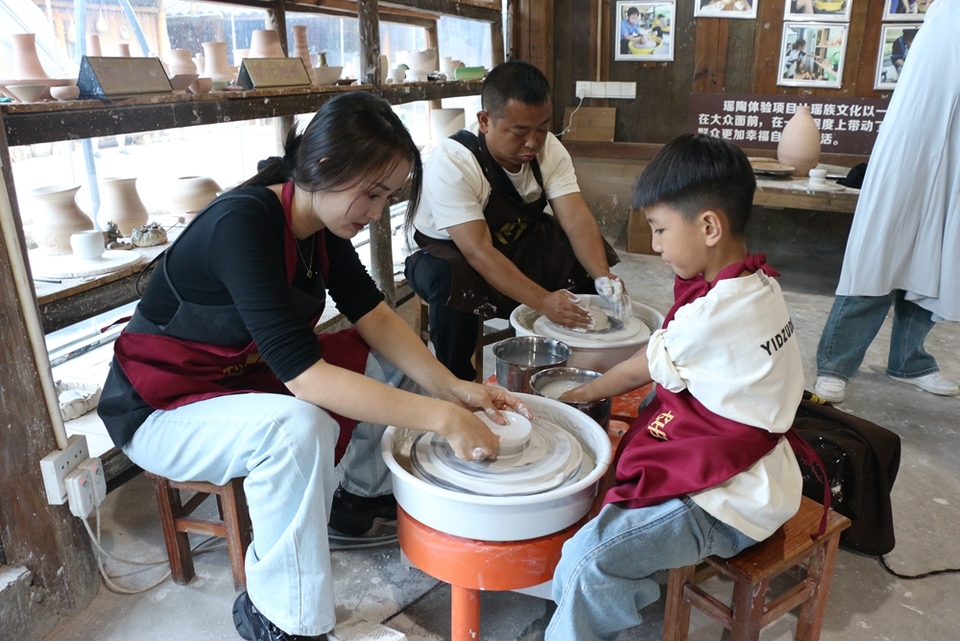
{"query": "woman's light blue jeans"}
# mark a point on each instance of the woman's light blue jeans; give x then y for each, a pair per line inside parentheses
(607, 570)
(284, 447)
(853, 324)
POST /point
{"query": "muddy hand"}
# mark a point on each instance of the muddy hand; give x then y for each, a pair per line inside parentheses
(563, 308)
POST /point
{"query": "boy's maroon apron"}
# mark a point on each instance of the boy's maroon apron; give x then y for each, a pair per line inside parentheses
(523, 232)
(169, 372)
(676, 445)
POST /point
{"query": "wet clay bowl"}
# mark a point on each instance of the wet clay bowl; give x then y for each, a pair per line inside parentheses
(502, 518)
(553, 381)
(520, 357)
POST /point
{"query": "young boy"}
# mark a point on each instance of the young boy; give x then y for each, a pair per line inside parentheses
(705, 469)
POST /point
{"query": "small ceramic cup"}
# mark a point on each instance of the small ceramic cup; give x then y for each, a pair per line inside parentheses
(818, 176)
(396, 74)
(87, 244)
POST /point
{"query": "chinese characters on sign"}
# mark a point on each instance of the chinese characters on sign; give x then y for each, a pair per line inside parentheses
(847, 125)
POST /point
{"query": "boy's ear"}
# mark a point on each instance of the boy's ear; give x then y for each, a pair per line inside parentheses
(713, 227)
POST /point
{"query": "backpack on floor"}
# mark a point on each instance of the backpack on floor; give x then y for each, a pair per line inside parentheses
(861, 460)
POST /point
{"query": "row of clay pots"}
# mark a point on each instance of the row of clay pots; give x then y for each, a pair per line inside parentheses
(57, 215)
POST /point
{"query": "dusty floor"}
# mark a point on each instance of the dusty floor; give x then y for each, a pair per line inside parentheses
(866, 603)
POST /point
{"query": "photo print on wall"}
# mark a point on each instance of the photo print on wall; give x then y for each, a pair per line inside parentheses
(644, 31)
(746, 9)
(895, 43)
(906, 10)
(812, 55)
(818, 10)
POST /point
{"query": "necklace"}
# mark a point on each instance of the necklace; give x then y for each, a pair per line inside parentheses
(313, 250)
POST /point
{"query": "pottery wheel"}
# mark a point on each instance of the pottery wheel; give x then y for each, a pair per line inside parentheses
(551, 457)
(618, 332)
(70, 266)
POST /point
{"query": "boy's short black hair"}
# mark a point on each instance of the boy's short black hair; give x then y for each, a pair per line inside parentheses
(513, 80)
(694, 173)
(633, 11)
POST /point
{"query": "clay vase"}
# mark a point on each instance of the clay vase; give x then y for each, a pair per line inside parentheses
(215, 64)
(57, 217)
(123, 50)
(93, 45)
(26, 62)
(300, 48)
(423, 61)
(799, 144)
(120, 203)
(192, 193)
(265, 43)
(179, 62)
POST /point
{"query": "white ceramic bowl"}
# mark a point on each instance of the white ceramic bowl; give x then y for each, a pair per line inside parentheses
(586, 355)
(502, 518)
(68, 92)
(326, 75)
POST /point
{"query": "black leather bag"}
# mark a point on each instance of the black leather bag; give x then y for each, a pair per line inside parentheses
(861, 460)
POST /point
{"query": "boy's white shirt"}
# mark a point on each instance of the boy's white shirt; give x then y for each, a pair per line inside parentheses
(455, 190)
(736, 352)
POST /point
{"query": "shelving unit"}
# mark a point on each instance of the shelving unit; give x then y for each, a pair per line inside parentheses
(75, 300)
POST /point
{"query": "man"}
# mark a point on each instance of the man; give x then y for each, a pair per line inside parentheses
(502, 221)
(901, 47)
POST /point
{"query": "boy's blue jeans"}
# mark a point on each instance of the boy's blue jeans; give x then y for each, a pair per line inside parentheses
(853, 324)
(607, 570)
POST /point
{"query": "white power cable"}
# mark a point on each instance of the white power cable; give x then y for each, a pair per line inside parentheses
(570, 123)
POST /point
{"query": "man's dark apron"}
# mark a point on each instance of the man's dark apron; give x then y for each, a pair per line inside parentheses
(523, 232)
(205, 350)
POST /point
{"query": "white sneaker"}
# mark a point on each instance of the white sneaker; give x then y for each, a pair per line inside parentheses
(830, 389)
(934, 383)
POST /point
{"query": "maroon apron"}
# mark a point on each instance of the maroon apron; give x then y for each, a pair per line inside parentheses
(530, 238)
(677, 446)
(170, 371)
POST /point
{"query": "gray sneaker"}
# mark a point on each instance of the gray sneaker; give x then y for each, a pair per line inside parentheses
(830, 389)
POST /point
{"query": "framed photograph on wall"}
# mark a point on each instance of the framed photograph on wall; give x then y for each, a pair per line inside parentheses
(644, 31)
(906, 10)
(725, 9)
(812, 54)
(818, 10)
(895, 43)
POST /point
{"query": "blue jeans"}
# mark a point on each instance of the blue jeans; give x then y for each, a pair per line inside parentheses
(853, 324)
(607, 570)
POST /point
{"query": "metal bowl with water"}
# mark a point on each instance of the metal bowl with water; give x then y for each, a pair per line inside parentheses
(553, 381)
(521, 357)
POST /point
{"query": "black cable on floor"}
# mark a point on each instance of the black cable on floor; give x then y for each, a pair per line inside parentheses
(883, 564)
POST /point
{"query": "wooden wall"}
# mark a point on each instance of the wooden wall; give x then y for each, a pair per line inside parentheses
(711, 55)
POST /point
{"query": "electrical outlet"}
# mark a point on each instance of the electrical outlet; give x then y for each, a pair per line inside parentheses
(582, 88)
(57, 464)
(80, 492)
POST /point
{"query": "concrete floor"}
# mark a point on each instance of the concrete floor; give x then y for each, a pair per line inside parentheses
(866, 603)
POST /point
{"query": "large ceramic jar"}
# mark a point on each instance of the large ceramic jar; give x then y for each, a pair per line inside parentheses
(56, 217)
(26, 62)
(799, 144)
(180, 62)
(215, 64)
(120, 203)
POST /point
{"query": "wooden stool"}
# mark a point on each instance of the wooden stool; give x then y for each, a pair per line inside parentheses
(175, 518)
(752, 571)
(485, 335)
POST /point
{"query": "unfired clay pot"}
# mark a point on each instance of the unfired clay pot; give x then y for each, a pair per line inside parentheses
(26, 62)
(799, 144)
(192, 193)
(265, 43)
(300, 47)
(93, 45)
(180, 63)
(56, 217)
(120, 203)
(215, 63)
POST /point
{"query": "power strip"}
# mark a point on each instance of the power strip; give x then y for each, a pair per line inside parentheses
(86, 487)
(57, 464)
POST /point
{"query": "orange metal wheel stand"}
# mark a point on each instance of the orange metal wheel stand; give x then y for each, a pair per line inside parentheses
(470, 566)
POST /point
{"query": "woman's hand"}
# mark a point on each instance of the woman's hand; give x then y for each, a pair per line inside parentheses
(469, 438)
(488, 398)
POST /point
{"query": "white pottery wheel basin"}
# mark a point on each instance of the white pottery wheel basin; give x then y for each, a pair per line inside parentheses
(597, 354)
(502, 518)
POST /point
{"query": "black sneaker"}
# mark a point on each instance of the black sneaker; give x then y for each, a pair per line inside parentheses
(353, 515)
(253, 626)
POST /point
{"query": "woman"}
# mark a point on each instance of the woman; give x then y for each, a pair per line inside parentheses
(219, 374)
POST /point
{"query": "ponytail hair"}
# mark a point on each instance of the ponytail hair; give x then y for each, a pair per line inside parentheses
(359, 138)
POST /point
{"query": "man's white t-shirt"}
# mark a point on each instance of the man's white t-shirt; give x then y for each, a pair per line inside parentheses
(735, 350)
(455, 190)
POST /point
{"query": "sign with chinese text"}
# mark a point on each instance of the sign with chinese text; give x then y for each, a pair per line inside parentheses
(847, 125)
